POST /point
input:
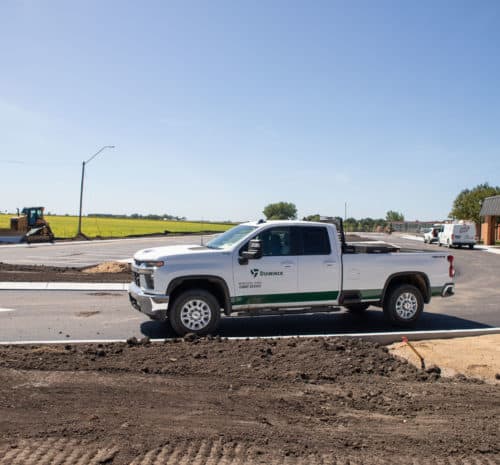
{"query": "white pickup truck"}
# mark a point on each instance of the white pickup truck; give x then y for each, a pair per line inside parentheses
(295, 266)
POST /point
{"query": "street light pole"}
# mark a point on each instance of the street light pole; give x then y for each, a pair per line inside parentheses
(81, 185)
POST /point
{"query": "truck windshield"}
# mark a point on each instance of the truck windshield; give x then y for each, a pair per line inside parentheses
(230, 237)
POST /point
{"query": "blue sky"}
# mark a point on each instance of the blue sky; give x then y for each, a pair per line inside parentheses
(219, 108)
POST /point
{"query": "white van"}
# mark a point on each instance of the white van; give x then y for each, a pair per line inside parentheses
(458, 234)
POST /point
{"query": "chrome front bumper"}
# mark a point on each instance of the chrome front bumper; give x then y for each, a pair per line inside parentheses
(153, 305)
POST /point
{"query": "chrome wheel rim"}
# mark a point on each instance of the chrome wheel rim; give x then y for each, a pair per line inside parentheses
(195, 314)
(406, 305)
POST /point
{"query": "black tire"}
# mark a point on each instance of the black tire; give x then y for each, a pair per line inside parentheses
(394, 305)
(425, 240)
(195, 311)
(439, 244)
(357, 308)
(471, 246)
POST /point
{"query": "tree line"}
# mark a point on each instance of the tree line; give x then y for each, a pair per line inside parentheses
(466, 206)
(288, 211)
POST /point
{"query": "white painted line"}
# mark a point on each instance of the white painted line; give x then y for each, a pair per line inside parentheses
(413, 238)
(24, 286)
(379, 337)
(6, 310)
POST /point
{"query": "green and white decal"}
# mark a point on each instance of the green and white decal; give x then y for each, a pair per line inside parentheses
(284, 298)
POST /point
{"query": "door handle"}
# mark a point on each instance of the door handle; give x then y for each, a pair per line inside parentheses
(330, 264)
(287, 264)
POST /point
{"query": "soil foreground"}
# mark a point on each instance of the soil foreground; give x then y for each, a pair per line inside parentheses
(216, 401)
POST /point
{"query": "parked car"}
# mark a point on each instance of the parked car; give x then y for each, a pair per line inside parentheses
(457, 235)
(432, 234)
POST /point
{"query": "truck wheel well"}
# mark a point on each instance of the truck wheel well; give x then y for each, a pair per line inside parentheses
(213, 287)
(419, 280)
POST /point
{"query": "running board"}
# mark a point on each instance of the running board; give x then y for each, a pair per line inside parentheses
(285, 311)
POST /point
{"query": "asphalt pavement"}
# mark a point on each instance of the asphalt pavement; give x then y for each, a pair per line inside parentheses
(88, 253)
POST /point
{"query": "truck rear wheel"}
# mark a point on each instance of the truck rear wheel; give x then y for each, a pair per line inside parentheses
(403, 305)
(195, 311)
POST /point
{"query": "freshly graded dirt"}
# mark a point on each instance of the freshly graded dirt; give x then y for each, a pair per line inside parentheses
(105, 273)
(475, 357)
(214, 401)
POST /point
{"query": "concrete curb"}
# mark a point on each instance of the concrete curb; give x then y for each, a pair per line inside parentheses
(62, 286)
(382, 338)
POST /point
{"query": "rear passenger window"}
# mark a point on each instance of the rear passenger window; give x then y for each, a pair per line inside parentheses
(315, 241)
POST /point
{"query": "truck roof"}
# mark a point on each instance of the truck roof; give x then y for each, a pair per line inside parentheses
(260, 223)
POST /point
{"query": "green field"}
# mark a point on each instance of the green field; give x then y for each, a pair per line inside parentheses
(66, 226)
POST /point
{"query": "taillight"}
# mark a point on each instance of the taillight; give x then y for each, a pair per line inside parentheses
(451, 270)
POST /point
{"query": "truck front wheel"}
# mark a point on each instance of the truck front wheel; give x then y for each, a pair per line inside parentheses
(403, 305)
(195, 311)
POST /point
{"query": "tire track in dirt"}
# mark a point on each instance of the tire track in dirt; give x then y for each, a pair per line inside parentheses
(216, 453)
(56, 452)
(73, 452)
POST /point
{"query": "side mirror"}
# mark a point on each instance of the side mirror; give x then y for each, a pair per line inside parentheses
(254, 252)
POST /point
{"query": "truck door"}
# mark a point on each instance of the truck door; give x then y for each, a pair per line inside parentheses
(271, 279)
(319, 269)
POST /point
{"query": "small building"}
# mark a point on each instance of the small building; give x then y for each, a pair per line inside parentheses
(490, 211)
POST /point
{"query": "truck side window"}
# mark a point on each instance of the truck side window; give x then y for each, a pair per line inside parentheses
(315, 241)
(276, 242)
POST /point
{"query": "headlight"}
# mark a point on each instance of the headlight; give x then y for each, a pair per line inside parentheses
(150, 263)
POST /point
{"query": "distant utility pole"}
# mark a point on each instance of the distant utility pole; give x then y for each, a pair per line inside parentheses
(81, 186)
(345, 211)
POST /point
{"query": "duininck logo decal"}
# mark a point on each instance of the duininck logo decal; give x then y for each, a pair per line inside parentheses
(256, 272)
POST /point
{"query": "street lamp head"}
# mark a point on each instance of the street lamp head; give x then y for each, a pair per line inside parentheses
(99, 151)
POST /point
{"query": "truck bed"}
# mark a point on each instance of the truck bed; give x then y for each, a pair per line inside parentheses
(370, 247)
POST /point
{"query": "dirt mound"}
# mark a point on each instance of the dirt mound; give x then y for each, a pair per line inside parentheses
(42, 273)
(108, 267)
(299, 359)
(211, 400)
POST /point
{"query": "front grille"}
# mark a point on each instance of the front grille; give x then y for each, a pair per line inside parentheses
(150, 283)
(136, 278)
